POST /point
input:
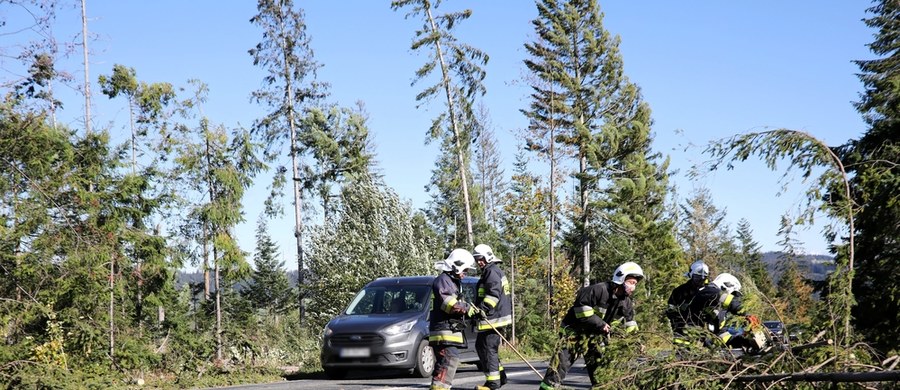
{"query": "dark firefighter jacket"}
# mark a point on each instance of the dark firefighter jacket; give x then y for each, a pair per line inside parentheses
(711, 305)
(679, 305)
(493, 298)
(448, 310)
(596, 306)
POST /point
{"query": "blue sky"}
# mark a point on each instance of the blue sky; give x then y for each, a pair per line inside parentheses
(708, 69)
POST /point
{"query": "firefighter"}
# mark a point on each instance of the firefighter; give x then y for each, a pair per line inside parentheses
(597, 308)
(713, 303)
(448, 310)
(681, 297)
(494, 311)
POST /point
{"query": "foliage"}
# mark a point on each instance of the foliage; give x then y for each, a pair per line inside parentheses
(269, 289)
(806, 154)
(873, 161)
(372, 236)
(289, 86)
(461, 75)
(577, 62)
(750, 259)
(703, 232)
(339, 143)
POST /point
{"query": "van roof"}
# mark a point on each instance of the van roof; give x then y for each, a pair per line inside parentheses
(412, 280)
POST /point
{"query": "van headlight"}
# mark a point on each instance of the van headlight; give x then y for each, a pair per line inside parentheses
(327, 331)
(398, 328)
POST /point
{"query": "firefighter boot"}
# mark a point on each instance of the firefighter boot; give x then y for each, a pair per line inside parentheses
(489, 385)
(502, 376)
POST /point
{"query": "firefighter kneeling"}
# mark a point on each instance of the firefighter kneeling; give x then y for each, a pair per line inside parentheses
(714, 303)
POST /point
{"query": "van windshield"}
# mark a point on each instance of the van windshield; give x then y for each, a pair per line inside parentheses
(390, 300)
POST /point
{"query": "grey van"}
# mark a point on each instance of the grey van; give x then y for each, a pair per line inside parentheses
(386, 327)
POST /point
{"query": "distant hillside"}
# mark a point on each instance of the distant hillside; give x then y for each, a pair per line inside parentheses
(814, 267)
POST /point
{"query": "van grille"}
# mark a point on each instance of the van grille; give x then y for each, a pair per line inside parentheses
(346, 340)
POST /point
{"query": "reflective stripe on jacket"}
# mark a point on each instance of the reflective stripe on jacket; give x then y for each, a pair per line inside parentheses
(493, 298)
(711, 305)
(447, 312)
(595, 306)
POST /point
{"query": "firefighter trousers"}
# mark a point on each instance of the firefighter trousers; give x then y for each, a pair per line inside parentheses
(487, 344)
(445, 364)
(570, 347)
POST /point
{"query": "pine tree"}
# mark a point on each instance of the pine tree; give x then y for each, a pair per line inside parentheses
(541, 138)
(338, 141)
(578, 61)
(223, 164)
(874, 162)
(704, 233)
(633, 225)
(270, 289)
(488, 173)
(751, 258)
(286, 56)
(146, 104)
(524, 241)
(461, 76)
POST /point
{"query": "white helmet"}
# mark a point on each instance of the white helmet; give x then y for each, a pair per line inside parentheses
(698, 268)
(458, 262)
(482, 250)
(727, 282)
(625, 270)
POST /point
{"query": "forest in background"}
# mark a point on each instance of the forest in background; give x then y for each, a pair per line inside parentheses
(89, 295)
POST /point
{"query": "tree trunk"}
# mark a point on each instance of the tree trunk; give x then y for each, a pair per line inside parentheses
(585, 238)
(512, 295)
(552, 197)
(455, 126)
(87, 77)
(112, 312)
(295, 171)
(218, 308)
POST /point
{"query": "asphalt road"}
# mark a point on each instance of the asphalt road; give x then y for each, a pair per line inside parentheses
(519, 374)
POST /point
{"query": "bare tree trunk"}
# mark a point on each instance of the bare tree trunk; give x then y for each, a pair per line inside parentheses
(52, 104)
(512, 294)
(112, 312)
(218, 308)
(295, 170)
(205, 262)
(552, 197)
(215, 253)
(87, 77)
(455, 125)
(585, 238)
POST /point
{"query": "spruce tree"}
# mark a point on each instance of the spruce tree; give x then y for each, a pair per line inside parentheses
(488, 174)
(289, 86)
(577, 60)
(460, 82)
(703, 231)
(751, 258)
(269, 289)
(873, 161)
(634, 225)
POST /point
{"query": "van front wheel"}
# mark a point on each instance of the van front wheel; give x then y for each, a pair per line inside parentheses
(424, 360)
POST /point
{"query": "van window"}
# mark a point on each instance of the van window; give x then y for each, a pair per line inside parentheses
(468, 290)
(390, 300)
